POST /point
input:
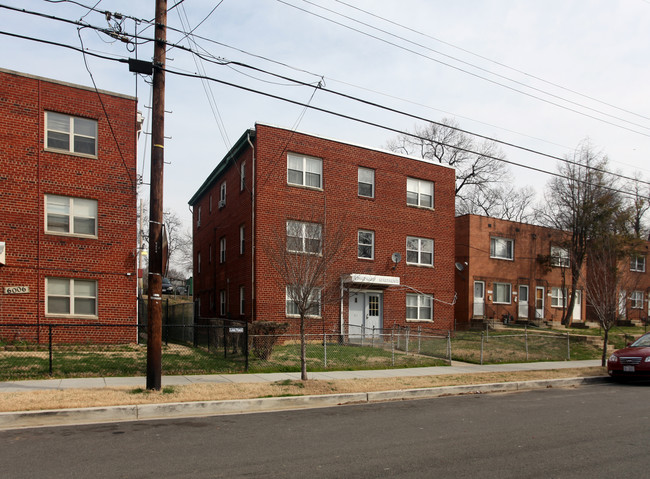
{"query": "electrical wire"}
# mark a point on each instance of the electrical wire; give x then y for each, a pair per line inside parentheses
(482, 77)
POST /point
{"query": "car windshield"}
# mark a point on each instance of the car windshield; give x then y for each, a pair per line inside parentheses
(642, 342)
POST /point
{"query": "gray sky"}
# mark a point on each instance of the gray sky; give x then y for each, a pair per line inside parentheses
(541, 74)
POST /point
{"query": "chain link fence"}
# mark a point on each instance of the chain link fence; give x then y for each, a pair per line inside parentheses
(525, 346)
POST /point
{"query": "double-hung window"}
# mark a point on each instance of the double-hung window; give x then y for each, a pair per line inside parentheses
(419, 307)
(636, 300)
(70, 134)
(419, 193)
(502, 248)
(303, 237)
(560, 257)
(242, 176)
(366, 180)
(74, 216)
(222, 302)
(419, 251)
(222, 250)
(222, 195)
(242, 239)
(304, 170)
(71, 297)
(502, 293)
(637, 263)
(558, 297)
(366, 244)
(311, 301)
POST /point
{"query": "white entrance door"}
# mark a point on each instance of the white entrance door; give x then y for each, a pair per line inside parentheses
(539, 302)
(364, 314)
(479, 299)
(356, 312)
(577, 307)
(373, 313)
(523, 301)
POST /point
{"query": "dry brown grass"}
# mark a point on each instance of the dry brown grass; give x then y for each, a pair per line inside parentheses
(75, 398)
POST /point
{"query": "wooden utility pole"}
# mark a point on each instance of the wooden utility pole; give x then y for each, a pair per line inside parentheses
(154, 313)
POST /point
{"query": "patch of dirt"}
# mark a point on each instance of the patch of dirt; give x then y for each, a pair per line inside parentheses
(74, 398)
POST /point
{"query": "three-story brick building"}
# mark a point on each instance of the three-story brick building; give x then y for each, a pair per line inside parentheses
(395, 214)
(68, 202)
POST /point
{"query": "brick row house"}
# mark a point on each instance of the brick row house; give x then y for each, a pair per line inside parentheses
(633, 286)
(395, 214)
(507, 270)
(68, 201)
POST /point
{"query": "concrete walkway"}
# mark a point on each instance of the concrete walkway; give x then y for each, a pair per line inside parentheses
(135, 382)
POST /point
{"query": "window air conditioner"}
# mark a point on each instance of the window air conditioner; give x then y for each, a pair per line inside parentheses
(222, 203)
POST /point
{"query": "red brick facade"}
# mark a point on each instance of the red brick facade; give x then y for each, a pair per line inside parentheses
(100, 266)
(268, 200)
(504, 261)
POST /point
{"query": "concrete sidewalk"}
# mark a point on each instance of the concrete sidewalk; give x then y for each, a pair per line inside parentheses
(135, 382)
(112, 414)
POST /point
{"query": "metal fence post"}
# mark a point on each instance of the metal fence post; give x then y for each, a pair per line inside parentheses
(372, 340)
(246, 338)
(392, 344)
(406, 339)
(325, 351)
(449, 346)
(419, 339)
(482, 336)
(49, 327)
(526, 342)
(568, 347)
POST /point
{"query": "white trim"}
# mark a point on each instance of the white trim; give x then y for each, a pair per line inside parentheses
(370, 279)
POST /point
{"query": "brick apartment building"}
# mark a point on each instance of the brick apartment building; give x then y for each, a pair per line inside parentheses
(514, 269)
(396, 214)
(68, 201)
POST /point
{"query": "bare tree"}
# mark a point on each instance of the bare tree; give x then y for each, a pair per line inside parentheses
(608, 278)
(179, 241)
(479, 169)
(640, 204)
(581, 200)
(503, 201)
(301, 255)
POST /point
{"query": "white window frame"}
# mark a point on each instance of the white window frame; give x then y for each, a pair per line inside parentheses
(210, 205)
(307, 233)
(558, 297)
(198, 262)
(242, 176)
(494, 251)
(242, 239)
(365, 244)
(72, 131)
(304, 165)
(637, 263)
(419, 303)
(222, 250)
(366, 177)
(560, 257)
(198, 217)
(636, 299)
(417, 190)
(419, 250)
(222, 195)
(507, 293)
(242, 301)
(222, 303)
(292, 308)
(71, 295)
(74, 207)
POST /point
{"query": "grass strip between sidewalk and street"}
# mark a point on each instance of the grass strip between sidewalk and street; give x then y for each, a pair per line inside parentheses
(115, 396)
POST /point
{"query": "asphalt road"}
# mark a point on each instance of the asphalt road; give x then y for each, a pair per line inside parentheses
(593, 431)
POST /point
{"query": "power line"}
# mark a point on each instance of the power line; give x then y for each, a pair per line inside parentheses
(482, 77)
(492, 61)
(388, 128)
(220, 61)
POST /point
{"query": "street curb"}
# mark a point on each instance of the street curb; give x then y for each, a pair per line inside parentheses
(60, 417)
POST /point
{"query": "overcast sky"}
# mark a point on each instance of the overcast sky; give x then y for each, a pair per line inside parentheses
(540, 74)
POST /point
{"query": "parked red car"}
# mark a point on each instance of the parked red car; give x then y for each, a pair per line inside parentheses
(632, 361)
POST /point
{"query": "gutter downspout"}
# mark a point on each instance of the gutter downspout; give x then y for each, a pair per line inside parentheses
(41, 219)
(253, 303)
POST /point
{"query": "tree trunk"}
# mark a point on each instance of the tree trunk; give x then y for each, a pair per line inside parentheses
(303, 350)
(604, 358)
